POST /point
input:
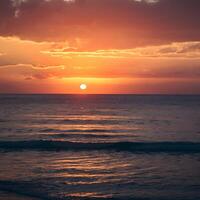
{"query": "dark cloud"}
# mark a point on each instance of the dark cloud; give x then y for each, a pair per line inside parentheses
(102, 23)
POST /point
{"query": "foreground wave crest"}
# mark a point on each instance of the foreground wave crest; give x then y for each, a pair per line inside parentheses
(50, 145)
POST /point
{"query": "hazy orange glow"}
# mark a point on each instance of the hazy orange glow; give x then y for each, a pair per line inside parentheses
(129, 51)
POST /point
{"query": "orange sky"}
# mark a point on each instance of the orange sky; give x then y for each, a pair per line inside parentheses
(113, 46)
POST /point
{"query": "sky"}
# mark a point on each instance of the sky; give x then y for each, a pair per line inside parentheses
(113, 46)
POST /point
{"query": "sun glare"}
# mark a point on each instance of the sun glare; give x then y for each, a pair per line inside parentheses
(83, 86)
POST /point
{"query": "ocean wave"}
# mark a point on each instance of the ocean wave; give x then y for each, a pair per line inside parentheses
(143, 147)
(43, 191)
(64, 135)
(77, 131)
(38, 190)
(91, 121)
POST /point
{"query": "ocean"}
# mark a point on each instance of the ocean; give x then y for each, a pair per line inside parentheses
(74, 147)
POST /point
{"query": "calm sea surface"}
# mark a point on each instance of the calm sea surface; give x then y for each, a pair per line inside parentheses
(100, 147)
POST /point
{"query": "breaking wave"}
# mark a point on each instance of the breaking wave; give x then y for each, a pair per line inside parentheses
(145, 147)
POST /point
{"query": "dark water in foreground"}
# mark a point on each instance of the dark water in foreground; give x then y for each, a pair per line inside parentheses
(100, 147)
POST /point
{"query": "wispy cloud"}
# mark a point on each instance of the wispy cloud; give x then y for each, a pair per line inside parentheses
(147, 1)
(178, 50)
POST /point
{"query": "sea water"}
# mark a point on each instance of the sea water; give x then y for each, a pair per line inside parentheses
(100, 146)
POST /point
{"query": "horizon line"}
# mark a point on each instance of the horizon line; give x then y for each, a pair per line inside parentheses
(142, 94)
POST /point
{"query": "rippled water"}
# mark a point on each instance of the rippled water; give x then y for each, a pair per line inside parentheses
(100, 146)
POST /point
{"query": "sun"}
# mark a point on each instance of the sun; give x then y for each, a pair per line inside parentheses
(83, 86)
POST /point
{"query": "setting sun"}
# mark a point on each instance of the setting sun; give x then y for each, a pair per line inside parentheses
(83, 86)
